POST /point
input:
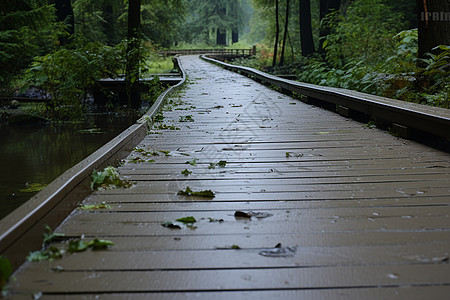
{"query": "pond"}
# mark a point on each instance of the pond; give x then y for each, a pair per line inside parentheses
(35, 156)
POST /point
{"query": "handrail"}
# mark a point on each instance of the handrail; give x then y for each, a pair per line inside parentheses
(243, 52)
(21, 231)
(409, 119)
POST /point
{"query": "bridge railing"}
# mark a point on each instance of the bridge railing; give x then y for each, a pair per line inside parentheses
(408, 120)
(221, 52)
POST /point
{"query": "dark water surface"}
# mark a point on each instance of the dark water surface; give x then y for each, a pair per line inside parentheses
(39, 155)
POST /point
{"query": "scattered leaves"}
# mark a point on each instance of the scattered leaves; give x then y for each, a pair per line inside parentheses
(158, 118)
(186, 118)
(192, 162)
(48, 254)
(166, 153)
(107, 179)
(186, 172)
(189, 192)
(95, 244)
(221, 164)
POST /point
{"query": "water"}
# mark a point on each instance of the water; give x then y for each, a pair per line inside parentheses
(39, 155)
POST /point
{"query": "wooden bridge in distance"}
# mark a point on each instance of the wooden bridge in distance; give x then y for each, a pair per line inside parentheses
(308, 204)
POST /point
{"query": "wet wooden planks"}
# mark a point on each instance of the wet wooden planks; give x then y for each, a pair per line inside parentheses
(365, 214)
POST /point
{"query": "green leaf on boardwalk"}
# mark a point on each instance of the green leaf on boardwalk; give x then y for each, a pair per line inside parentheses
(77, 246)
(186, 119)
(50, 235)
(97, 244)
(192, 162)
(102, 205)
(49, 254)
(236, 247)
(189, 192)
(222, 163)
(5, 271)
(170, 224)
(186, 172)
(186, 220)
(212, 166)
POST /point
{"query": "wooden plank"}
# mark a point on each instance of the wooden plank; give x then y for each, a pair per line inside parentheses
(307, 226)
(275, 215)
(126, 204)
(246, 258)
(253, 241)
(387, 293)
(235, 280)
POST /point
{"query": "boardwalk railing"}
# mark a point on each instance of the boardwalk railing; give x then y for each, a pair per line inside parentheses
(219, 52)
(408, 120)
(22, 230)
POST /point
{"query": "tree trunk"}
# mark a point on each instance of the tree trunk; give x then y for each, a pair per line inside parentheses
(235, 36)
(132, 68)
(277, 33)
(326, 7)
(306, 36)
(434, 24)
(108, 25)
(64, 13)
(286, 27)
(221, 37)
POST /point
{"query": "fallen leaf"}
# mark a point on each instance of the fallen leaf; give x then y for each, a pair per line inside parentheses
(187, 220)
(241, 214)
(169, 224)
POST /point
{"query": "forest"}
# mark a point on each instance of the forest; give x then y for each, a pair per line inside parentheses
(392, 48)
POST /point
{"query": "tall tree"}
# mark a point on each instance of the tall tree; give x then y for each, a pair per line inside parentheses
(64, 13)
(24, 31)
(434, 24)
(306, 35)
(326, 7)
(285, 34)
(277, 32)
(133, 53)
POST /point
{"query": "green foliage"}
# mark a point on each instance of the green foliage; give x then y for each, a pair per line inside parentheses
(5, 271)
(189, 192)
(69, 75)
(49, 236)
(50, 253)
(186, 172)
(107, 179)
(95, 244)
(27, 29)
(187, 220)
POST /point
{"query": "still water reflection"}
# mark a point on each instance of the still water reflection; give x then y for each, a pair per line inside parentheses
(38, 155)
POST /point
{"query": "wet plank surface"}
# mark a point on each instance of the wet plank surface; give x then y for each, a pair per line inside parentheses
(336, 210)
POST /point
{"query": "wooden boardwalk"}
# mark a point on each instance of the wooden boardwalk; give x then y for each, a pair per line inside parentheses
(339, 210)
